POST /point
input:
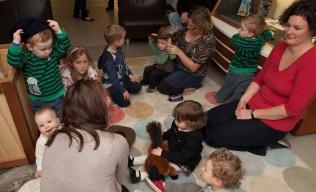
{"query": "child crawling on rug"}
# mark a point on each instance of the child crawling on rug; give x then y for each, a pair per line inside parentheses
(163, 65)
(47, 122)
(222, 172)
(184, 140)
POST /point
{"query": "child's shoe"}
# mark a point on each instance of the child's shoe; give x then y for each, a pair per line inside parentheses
(133, 177)
(175, 98)
(157, 185)
(143, 82)
(185, 170)
(282, 144)
(150, 90)
(130, 161)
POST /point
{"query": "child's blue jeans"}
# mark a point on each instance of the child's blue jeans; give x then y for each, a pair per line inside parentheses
(56, 105)
(117, 96)
(234, 86)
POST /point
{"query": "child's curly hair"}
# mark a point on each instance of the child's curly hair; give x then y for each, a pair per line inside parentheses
(227, 168)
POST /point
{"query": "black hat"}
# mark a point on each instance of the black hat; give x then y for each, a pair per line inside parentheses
(30, 26)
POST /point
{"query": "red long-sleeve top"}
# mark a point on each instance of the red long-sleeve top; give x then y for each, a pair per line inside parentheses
(294, 87)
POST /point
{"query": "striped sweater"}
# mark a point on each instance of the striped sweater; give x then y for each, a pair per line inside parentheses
(247, 51)
(42, 76)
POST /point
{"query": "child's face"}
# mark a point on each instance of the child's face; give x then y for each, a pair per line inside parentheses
(47, 123)
(162, 44)
(206, 174)
(120, 42)
(244, 32)
(182, 125)
(81, 64)
(41, 49)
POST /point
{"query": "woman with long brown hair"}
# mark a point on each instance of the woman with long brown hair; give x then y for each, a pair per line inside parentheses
(83, 155)
(193, 49)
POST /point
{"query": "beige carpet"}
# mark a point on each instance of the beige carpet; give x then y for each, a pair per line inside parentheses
(279, 171)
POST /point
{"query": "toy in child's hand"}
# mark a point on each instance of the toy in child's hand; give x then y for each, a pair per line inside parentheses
(157, 166)
(153, 37)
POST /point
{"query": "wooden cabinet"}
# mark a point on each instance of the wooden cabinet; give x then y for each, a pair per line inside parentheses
(18, 132)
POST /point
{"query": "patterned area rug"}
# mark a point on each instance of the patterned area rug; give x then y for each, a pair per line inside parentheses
(280, 170)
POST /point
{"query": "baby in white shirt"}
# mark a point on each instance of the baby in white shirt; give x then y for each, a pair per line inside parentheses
(47, 122)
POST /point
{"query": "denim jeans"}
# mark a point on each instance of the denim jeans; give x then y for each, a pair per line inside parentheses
(56, 105)
(174, 20)
(177, 81)
(234, 86)
(117, 96)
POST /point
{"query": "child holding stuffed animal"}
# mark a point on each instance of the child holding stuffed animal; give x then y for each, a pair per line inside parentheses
(184, 140)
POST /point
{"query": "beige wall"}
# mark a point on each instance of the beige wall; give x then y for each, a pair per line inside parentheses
(279, 6)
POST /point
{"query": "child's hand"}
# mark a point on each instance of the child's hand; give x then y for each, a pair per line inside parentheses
(38, 173)
(17, 36)
(132, 78)
(54, 26)
(157, 151)
(126, 95)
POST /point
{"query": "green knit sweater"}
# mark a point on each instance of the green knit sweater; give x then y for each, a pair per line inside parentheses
(247, 51)
(42, 76)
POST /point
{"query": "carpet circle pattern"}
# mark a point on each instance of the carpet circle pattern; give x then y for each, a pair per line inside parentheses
(116, 114)
(280, 158)
(140, 110)
(300, 178)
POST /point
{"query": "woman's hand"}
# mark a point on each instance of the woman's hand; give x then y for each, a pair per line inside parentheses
(157, 151)
(243, 114)
(172, 49)
(241, 105)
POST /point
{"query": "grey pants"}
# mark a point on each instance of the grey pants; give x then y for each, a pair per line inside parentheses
(234, 86)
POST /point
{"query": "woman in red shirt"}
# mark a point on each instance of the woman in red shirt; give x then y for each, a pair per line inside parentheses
(278, 96)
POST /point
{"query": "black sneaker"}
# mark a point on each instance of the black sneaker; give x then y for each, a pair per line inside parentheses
(130, 161)
(150, 90)
(132, 174)
(185, 170)
(175, 98)
(282, 144)
(143, 82)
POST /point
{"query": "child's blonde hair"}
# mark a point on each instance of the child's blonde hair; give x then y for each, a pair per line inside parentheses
(255, 24)
(73, 54)
(113, 33)
(192, 113)
(227, 168)
(40, 37)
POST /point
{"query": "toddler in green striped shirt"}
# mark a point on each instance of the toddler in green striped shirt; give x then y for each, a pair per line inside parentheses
(247, 43)
(36, 52)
